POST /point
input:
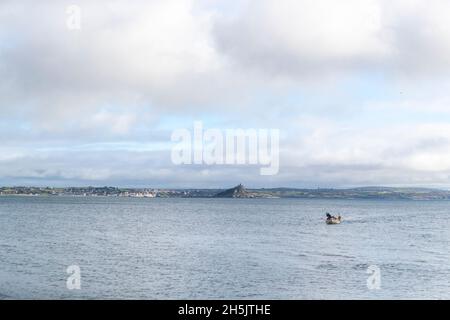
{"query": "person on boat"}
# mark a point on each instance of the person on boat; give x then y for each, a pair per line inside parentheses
(329, 216)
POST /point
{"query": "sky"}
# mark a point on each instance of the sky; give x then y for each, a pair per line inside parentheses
(359, 90)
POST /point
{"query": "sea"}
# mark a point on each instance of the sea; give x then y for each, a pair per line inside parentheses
(157, 248)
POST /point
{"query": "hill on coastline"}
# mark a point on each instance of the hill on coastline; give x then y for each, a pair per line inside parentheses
(236, 192)
(382, 193)
(239, 191)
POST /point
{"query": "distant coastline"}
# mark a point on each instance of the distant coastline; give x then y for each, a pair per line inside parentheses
(384, 193)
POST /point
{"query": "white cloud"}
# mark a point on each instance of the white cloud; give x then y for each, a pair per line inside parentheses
(389, 154)
(305, 37)
(134, 65)
(309, 38)
(148, 52)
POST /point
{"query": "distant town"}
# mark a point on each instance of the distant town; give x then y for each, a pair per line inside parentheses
(238, 191)
(102, 191)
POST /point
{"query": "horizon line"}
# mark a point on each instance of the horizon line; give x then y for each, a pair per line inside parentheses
(220, 188)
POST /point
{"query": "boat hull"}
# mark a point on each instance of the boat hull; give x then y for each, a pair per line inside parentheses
(333, 221)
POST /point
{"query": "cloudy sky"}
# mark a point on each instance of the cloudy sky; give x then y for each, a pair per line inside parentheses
(359, 89)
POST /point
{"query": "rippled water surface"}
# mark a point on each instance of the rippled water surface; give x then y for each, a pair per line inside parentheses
(222, 248)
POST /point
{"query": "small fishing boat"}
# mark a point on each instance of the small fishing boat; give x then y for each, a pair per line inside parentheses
(333, 220)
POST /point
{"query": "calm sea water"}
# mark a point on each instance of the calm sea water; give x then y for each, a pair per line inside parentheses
(222, 248)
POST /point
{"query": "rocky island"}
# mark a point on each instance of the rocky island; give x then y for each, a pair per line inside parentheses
(237, 192)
